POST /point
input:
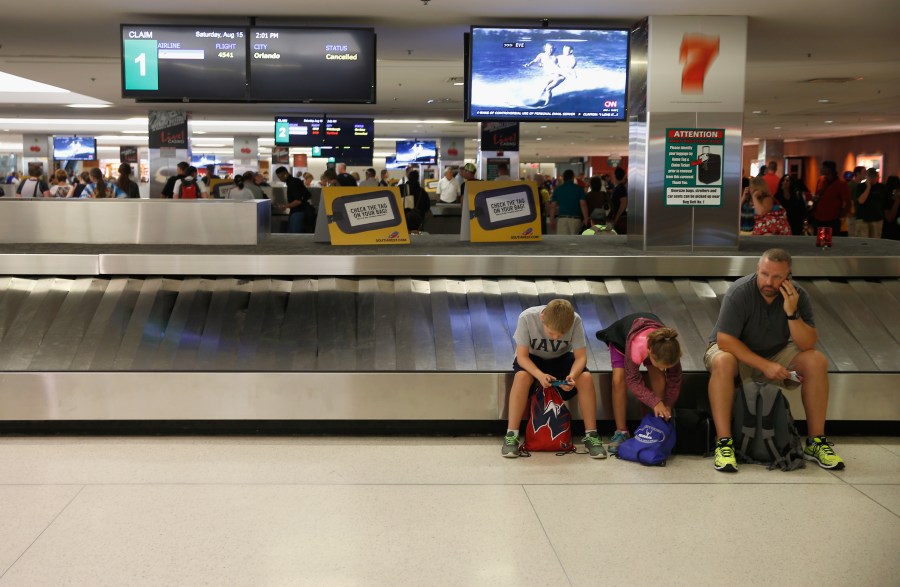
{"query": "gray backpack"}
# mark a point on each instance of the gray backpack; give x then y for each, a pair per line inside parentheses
(763, 428)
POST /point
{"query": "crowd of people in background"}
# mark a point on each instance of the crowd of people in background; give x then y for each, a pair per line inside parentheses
(856, 203)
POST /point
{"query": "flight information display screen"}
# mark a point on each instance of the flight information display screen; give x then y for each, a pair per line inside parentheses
(348, 140)
(290, 64)
(166, 62)
(296, 131)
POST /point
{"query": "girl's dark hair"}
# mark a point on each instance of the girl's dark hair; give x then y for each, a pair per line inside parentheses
(100, 191)
(124, 177)
(663, 346)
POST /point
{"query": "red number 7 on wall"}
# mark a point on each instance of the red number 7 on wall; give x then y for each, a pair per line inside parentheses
(697, 54)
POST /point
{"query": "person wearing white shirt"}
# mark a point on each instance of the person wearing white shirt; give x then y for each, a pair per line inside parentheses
(448, 188)
(370, 178)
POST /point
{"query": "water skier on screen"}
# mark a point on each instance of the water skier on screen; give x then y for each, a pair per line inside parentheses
(556, 70)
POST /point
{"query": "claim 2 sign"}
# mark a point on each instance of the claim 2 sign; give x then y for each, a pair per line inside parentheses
(693, 171)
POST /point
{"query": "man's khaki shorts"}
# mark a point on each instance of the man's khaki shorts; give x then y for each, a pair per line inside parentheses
(784, 357)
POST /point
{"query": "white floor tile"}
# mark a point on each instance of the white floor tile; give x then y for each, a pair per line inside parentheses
(867, 463)
(720, 535)
(886, 495)
(25, 512)
(288, 535)
(343, 461)
(891, 443)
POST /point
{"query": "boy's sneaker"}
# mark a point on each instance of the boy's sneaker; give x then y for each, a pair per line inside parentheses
(819, 450)
(725, 460)
(594, 446)
(510, 446)
(618, 438)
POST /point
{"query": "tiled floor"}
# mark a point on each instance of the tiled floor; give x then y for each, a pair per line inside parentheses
(432, 511)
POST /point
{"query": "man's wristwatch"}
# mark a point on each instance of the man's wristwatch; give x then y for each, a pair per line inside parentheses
(794, 316)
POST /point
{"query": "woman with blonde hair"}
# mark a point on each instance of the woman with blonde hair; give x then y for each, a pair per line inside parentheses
(60, 189)
(769, 218)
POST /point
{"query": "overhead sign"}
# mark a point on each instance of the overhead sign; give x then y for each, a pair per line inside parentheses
(499, 136)
(503, 211)
(168, 128)
(693, 172)
(365, 216)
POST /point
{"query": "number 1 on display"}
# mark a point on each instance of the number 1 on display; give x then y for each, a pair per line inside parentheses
(141, 65)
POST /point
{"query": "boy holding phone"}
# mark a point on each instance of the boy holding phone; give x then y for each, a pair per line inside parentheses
(550, 346)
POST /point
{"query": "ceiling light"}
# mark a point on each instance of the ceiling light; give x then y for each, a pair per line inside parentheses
(134, 132)
(777, 127)
(757, 112)
(89, 105)
(824, 101)
(199, 132)
(459, 83)
(538, 139)
(829, 121)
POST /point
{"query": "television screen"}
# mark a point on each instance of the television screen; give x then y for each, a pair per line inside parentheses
(424, 152)
(527, 74)
(304, 131)
(169, 62)
(391, 162)
(74, 148)
(289, 64)
(204, 159)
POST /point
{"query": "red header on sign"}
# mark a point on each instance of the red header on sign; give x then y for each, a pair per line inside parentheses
(695, 134)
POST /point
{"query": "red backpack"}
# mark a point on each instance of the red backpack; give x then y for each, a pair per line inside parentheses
(549, 423)
(188, 190)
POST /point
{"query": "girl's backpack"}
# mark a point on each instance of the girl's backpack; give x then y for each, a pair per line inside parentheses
(651, 444)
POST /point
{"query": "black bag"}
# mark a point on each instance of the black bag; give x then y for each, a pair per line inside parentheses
(763, 429)
(694, 432)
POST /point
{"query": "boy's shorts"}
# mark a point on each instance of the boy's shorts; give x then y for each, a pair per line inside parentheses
(618, 359)
(559, 367)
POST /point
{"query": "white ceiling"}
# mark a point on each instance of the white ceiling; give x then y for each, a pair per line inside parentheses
(420, 48)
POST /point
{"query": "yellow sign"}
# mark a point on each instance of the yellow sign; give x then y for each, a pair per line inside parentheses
(365, 216)
(503, 211)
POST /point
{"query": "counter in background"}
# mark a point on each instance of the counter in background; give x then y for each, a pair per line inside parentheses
(135, 221)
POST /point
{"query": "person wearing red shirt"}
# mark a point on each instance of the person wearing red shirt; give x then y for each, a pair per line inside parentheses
(832, 199)
(771, 177)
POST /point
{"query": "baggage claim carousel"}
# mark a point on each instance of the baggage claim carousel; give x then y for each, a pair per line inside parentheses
(294, 336)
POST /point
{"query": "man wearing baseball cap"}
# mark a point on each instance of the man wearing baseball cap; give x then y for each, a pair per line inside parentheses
(467, 173)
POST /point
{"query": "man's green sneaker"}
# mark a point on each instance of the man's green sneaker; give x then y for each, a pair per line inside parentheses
(725, 460)
(594, 446)
(819, 450)
(510, 446)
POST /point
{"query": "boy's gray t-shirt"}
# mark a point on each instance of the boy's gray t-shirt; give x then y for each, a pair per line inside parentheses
(530, 333)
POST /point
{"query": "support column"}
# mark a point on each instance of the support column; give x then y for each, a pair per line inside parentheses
(772, 150)
(686, 111)
(168, 145)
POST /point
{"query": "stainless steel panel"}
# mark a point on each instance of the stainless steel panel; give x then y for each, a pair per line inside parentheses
(336, 305)
(248, 396)
(57, 264)
(136, 221)
(328, 396)
(650, 265)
